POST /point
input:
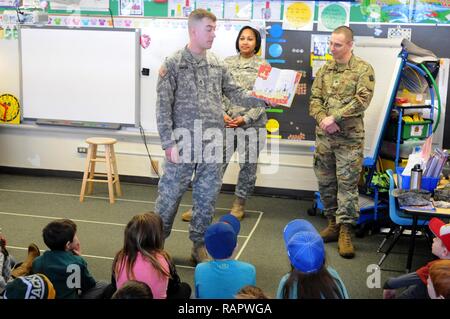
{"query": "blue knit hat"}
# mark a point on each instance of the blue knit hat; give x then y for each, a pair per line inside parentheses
(221, 237)
(305, 247)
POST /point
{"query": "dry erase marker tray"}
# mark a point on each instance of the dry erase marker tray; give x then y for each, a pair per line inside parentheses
(111, 126)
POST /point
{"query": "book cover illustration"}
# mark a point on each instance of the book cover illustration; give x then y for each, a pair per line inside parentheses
(276, 86)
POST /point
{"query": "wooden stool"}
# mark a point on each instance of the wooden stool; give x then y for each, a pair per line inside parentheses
(112, 177)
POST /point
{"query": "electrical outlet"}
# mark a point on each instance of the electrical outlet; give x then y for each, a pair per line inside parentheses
(82, 150)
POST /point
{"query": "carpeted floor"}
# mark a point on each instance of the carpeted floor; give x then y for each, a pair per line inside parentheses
(28, 203)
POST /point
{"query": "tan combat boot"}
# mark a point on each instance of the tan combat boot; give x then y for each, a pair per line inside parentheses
(187, 215)
(199, 253)
(238, 208)
(331, 232)
(24, 269)
(345, 246)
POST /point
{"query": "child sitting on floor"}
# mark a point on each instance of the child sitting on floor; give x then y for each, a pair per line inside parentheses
(416, 282)
(309, 277)
(222, 277)
(64, 266)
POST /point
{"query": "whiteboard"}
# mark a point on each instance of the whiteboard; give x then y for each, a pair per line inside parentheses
(87, 75)
(383, 55)
(169, 35)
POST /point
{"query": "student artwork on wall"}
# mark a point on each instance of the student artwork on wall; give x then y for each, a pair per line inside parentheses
(9, 3)
(411, 11)
(240, 9)
(320, 52)
(215, 7)
(81, 5)
(132, 7)
(333, 15)
(180, 8)
(298, 15)
(267, 10)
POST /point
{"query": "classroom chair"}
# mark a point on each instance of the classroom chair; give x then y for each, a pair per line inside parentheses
(400, 221)
(111, 175)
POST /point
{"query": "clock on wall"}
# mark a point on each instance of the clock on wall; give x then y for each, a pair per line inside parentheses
(9, 109)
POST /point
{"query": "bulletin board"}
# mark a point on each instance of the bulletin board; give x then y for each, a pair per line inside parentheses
(292, 51)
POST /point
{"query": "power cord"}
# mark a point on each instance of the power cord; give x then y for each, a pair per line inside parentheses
(112, 18)
(155, 169)
(18, 11)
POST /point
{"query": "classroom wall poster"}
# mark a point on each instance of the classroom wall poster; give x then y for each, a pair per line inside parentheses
(240, 9)
(401, 11)
(431, 11)
(320, 52)
(131, 7)
(82, 5)
(9, 3)
(180, 8)
(298, 15)
(215, 7)
(333, 15)
(32, 4)
(266, 10)
(399, 32)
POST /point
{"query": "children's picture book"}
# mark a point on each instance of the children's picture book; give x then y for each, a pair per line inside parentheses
(276, 86)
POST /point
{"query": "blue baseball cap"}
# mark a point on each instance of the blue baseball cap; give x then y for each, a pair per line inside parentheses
(221, 237)
(233, 221)
(295, 226)
(305, 247)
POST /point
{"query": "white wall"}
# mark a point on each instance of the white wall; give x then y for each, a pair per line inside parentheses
(55, 148)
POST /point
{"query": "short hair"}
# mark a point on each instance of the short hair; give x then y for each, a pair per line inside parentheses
(57, 233)
(133, 289)
(199, 14)
(251, 292)
(345, 31)
(257, 36)
(440, 276)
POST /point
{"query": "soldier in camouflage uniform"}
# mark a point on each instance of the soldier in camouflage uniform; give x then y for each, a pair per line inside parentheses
(244, 69)
(341, 92)
(189, 92)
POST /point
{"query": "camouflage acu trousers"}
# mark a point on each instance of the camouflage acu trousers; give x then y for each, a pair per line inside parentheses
(248, 158)
(338, 164)
(205, 189)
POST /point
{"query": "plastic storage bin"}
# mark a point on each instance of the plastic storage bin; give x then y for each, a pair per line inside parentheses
(406, 148)
(409, 130)
(428, 183)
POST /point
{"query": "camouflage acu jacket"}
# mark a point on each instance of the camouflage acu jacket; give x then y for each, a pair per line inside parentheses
(244, 72)
(344, 91)
(188, 90)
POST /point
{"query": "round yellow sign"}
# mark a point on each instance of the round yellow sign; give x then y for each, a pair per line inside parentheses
(272, 125)
(298, 14)
(9, 109)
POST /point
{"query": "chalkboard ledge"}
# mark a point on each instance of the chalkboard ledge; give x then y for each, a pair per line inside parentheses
(132, 133)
